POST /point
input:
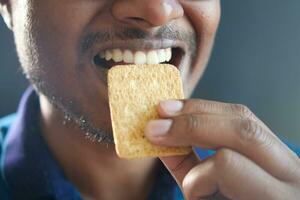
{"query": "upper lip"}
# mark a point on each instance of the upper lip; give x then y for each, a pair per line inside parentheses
(140, 44)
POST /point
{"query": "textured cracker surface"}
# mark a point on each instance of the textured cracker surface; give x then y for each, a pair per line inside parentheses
(134, 92)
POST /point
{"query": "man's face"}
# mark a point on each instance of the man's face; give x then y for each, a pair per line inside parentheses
(61, 44)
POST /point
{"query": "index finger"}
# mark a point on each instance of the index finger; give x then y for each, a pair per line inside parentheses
(179, 166)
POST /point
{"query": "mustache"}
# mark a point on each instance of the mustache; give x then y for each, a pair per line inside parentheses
(169, 32)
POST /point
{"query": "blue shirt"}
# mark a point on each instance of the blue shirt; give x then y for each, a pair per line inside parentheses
(29, 171)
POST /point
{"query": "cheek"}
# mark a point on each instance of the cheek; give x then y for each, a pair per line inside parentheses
(47, 32)
(48, 38)
(58, 30)
(204, 15)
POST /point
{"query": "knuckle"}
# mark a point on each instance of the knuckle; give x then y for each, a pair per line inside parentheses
(191, 123)
(242, 110)
(205, 106)
(192, 106)
(223, 158)
(209, 106)
(226, 162)
(200, 106)
(250, 132)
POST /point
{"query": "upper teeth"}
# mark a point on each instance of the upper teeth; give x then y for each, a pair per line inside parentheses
(138, 57)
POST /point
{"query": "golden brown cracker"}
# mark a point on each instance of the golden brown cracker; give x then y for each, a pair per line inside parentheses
(134, 92)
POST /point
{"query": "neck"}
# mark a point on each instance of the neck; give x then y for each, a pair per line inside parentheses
(94, 168)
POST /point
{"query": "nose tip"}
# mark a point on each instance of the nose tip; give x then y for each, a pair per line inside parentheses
(147, 13)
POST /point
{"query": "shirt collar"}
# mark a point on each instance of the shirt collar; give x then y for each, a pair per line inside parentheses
(29, 168)
(32, 173)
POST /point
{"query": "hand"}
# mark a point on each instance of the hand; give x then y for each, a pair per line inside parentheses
(250, 161)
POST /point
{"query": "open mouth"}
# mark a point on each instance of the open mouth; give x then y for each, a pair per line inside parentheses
(111, 57)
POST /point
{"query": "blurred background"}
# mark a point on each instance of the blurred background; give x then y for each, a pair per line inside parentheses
(256, 62)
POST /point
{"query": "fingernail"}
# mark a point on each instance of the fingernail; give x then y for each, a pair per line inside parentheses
(171, 107)
(158, 127)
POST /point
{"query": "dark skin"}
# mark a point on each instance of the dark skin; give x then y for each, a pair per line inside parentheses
(250, 161)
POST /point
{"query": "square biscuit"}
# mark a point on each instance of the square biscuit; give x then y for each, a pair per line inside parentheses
(134, 92)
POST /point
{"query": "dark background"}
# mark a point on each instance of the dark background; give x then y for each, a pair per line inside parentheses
(255, 62)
